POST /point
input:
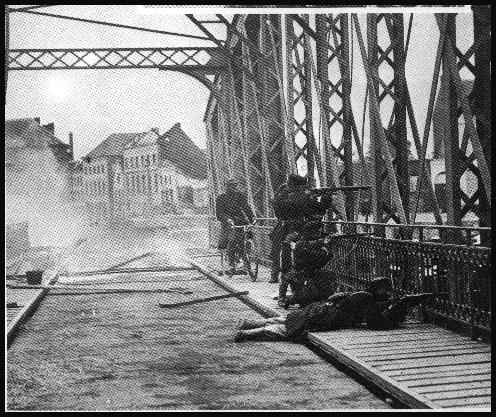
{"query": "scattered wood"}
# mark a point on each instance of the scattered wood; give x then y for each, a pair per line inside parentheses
(89, 291)
(203, 300)
(130, 271)
(144, 255)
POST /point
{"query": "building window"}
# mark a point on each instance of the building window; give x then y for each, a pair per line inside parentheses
(136, 161)
(154, 159)
(156, 182)
(147, 159)
(103, 169)
(142, 160)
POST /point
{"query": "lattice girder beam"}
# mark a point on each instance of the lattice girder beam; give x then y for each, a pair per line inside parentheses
(384, 188)
(459, 203)
(208, 60)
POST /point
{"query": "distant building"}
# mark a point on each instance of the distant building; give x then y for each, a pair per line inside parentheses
(144, 174)
(98, 174)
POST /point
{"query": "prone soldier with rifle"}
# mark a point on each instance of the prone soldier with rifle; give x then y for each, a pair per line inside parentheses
(376, 308)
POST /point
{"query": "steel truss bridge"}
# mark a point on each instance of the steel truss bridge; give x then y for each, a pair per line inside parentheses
(268, 77)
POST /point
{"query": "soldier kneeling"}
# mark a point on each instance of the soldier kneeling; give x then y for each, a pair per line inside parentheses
(310, 280)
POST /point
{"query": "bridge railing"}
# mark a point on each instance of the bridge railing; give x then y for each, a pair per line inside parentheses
(459, 273)
(417, 258)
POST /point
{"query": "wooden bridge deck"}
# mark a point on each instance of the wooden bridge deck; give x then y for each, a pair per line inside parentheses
(423, 365)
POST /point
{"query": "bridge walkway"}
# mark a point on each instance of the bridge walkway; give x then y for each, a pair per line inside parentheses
(422, 365)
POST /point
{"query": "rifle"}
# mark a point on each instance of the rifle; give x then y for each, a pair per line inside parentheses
(332, 190)
(412, 300)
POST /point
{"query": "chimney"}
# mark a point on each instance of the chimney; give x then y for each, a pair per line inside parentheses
(50, 127)
(37, 120)
(155, 129)
(71, 145)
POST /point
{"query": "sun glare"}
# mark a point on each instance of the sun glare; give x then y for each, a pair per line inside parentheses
(58, 89)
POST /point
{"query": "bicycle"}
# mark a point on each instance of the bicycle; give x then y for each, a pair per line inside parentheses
(245, 252)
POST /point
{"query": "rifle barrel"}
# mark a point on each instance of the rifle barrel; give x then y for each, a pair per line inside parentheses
(344, 188)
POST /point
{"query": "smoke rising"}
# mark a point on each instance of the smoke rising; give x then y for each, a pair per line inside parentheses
(37, 192)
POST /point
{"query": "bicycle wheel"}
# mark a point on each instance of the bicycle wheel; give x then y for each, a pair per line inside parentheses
(251, 265)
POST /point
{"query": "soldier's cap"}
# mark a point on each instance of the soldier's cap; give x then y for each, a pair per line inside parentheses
(295, 179)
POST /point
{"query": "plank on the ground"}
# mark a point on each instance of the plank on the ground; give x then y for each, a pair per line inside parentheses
(415, 349)
(441, 368)
(468, 393)
(403, 393)
(422, 363)
(387, 357)
(453, 373)
(351, 340)
(429, 344)
(464, 402)
(453, 386)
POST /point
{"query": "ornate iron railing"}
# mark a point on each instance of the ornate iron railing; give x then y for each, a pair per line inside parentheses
(417, 258)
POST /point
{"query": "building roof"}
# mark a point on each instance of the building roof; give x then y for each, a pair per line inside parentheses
(114, 144)
(178, 148)
(28, 132)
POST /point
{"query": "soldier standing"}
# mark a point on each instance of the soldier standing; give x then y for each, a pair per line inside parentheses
(232, 209)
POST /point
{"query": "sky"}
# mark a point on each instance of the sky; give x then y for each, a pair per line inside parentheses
(96, 103)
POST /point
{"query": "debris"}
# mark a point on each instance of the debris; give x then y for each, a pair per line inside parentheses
(13, 305)
(202, 300)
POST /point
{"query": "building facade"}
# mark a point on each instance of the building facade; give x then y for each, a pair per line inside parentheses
(143, 174)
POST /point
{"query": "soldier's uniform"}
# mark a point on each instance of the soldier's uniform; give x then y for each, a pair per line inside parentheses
(300, 214)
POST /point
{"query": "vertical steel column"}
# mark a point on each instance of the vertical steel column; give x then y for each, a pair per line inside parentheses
(451, 145)
(336, 85)
(271, 98)
(322, 47)
(347, 115)
(482, 100)
(396, 131)
(306, 79)
(399, 128)
(375, 147)
(7, 49)
(300, 96)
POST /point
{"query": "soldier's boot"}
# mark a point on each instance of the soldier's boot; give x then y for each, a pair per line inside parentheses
(254, 334)
(247, 324)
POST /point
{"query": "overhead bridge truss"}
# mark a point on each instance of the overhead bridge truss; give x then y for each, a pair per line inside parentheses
(204, 59)
(282, 102)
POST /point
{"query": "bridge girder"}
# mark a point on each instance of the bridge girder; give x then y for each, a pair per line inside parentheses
(261, 126)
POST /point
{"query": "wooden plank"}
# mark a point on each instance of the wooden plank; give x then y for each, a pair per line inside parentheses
(451, 387)
(356, 333)
(469, 393)
(457, 372)
(443, 380)
(464, 402)
(376, 357)
(203, 300)
(381, 380)
(259, 307)
(363, 353)
(128, 271)
(481, 406)
(378, 339)
(444, 368)
(428, 362)
(428, 346)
